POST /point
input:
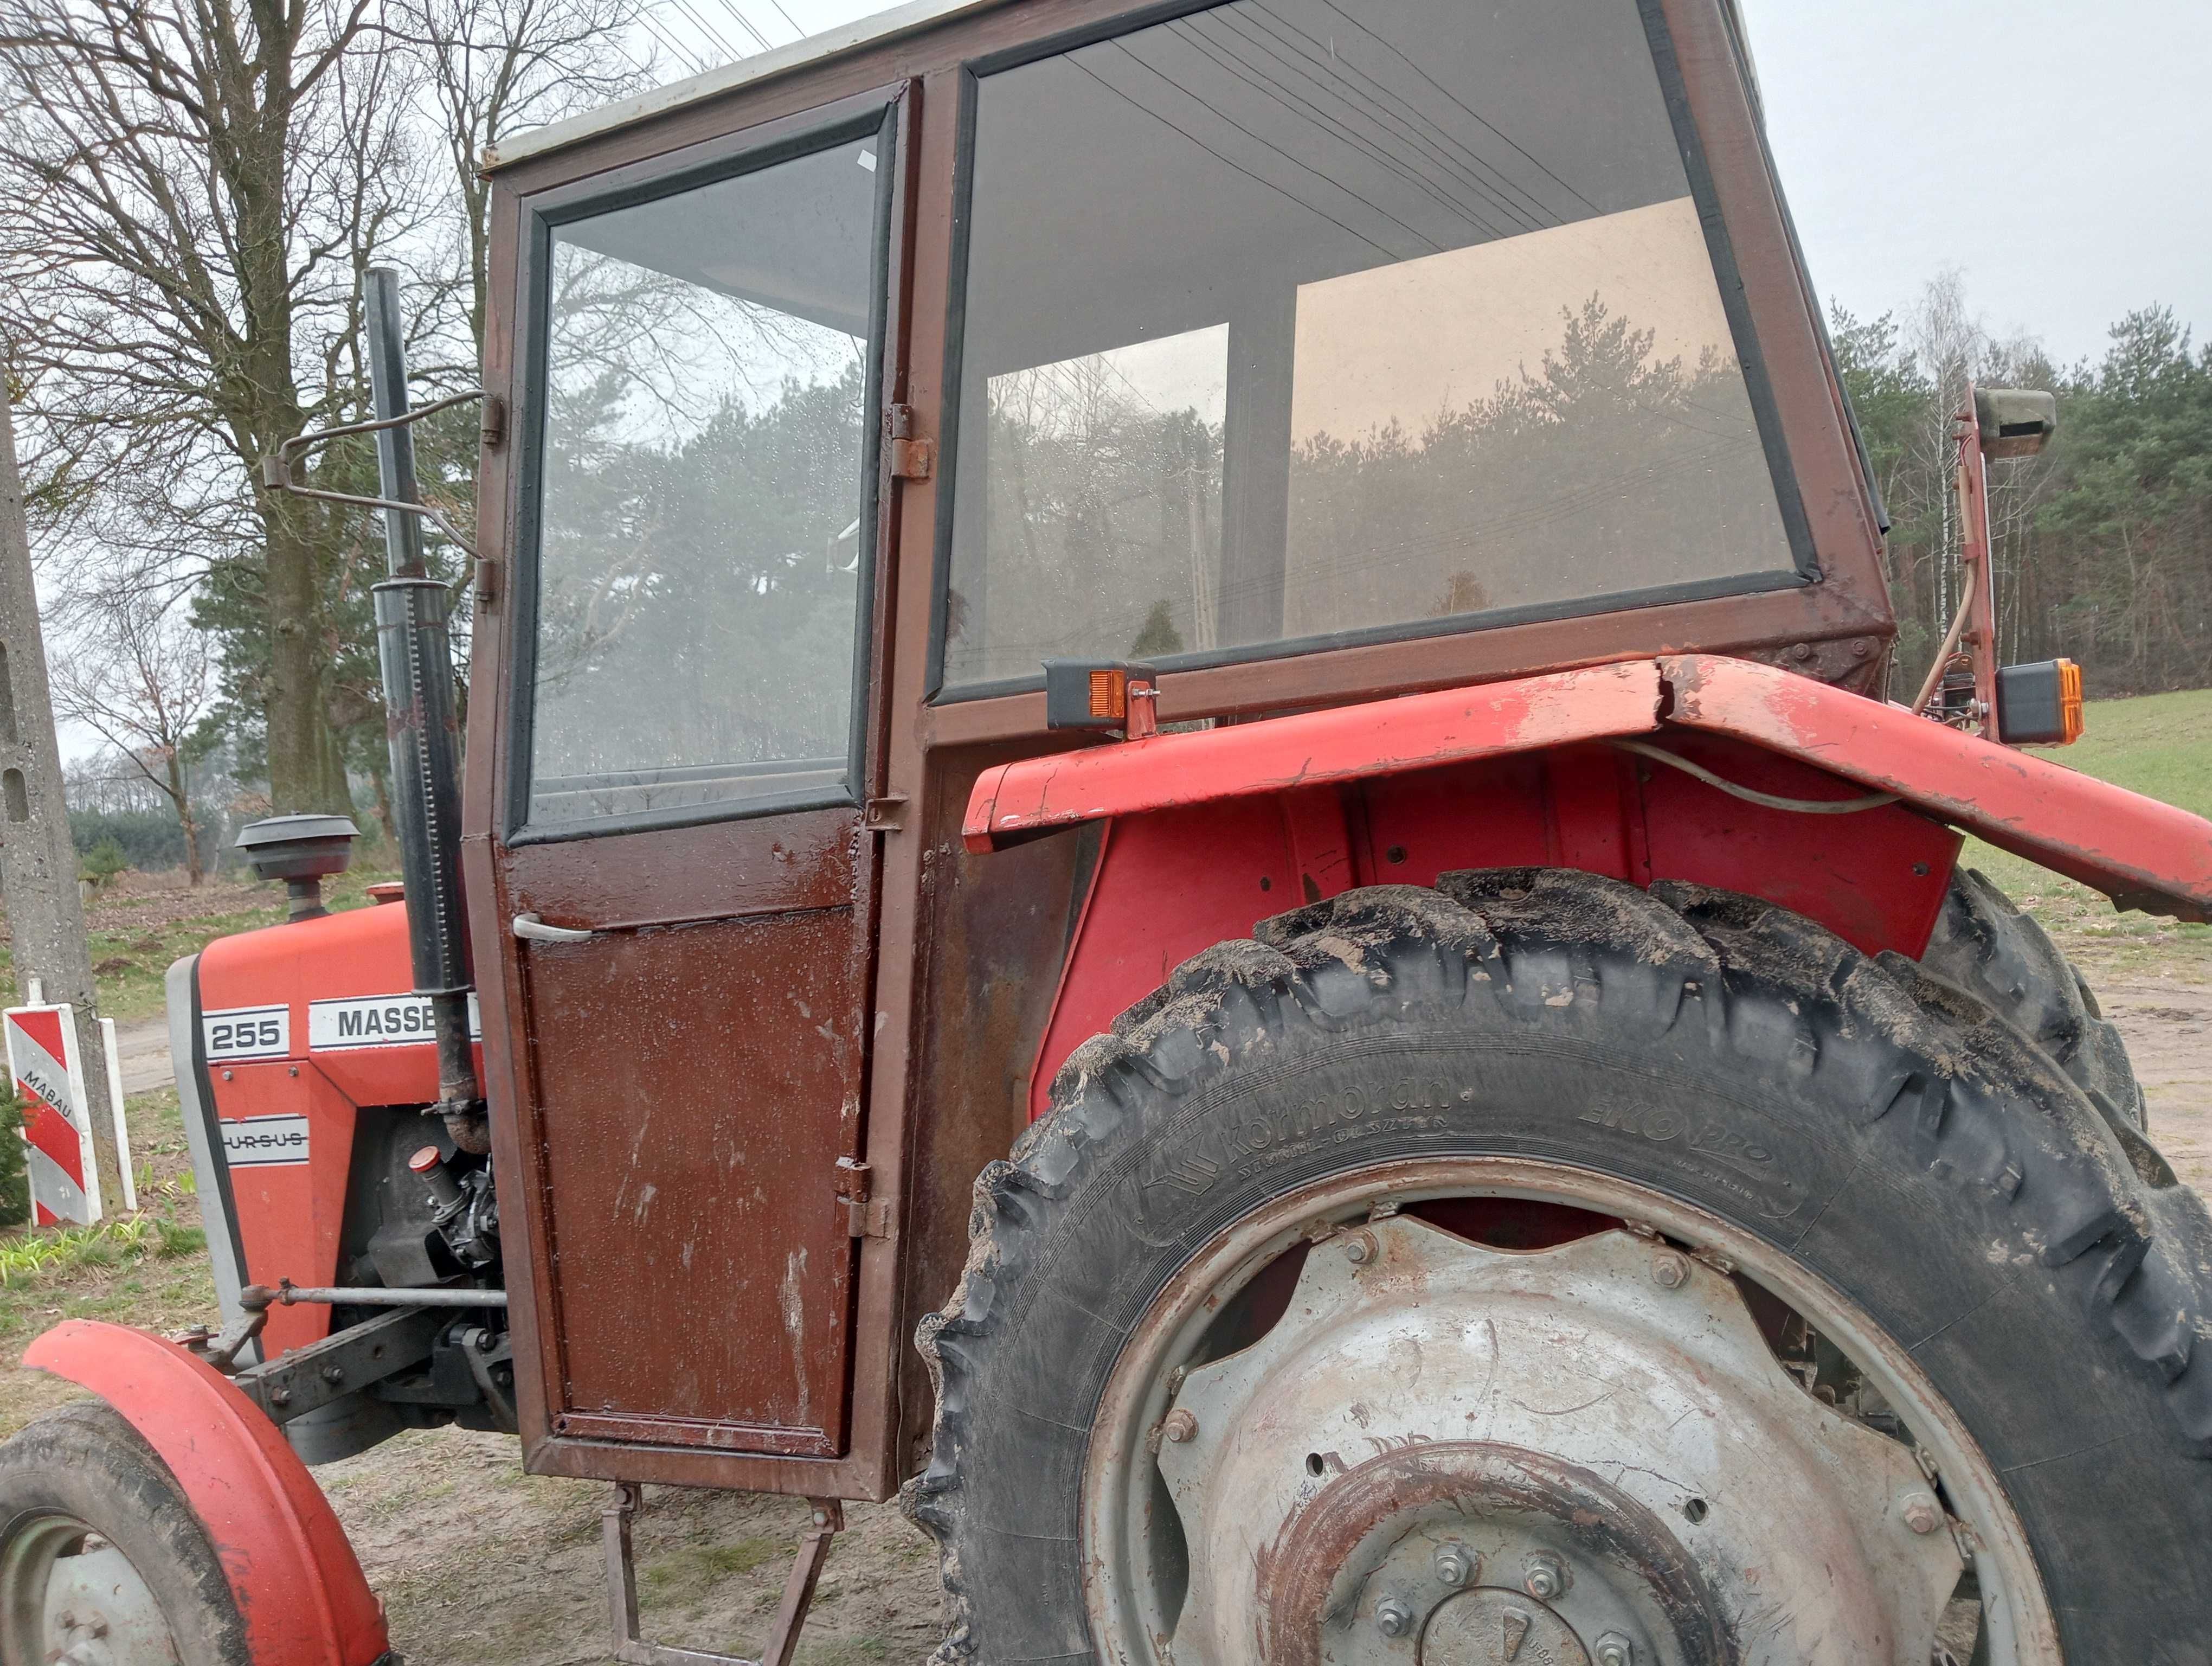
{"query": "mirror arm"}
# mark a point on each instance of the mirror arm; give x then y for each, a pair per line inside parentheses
(277, 468)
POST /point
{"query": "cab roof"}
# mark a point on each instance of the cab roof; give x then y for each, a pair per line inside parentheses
(873, 30)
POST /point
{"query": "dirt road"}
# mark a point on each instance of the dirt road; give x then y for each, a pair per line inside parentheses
(143, 1048)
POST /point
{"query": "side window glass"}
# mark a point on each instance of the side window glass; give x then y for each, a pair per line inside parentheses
(1294, 320)
(702, 552)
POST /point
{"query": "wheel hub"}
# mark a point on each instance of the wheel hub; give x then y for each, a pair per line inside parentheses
(1445, 1454)
(69, 1598)
(1490, 1627)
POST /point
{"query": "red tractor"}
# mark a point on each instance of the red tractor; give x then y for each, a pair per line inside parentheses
(1207, 682)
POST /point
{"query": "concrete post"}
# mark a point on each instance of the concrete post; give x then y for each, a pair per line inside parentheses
(38, 862)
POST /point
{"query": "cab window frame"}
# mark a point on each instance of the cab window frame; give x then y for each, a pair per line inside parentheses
(1804, 568)
(873, 115)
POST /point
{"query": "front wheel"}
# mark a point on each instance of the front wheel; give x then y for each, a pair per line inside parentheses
(1544, 1269)
(102, 1560)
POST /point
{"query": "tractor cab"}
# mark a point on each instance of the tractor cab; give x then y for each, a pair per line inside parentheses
(1180, 836)
(1297, 352)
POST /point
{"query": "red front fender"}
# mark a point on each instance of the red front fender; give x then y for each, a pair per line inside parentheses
(297, 1583)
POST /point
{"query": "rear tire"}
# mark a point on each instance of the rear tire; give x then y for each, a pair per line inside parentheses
(81, 1476)
(1984, 944)
(1874, 1125)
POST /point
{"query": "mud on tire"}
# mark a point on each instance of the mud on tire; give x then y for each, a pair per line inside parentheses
(1916, 1149)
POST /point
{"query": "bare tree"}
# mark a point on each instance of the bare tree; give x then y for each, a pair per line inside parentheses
(188, 192)
(140, 676)
(496, 67)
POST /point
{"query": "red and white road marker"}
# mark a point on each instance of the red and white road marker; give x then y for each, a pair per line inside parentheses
(48, 1076)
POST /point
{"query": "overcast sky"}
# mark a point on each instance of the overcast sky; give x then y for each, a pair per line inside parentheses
(2057, 152)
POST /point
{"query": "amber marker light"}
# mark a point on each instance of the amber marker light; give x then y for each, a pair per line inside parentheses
(1109, 694)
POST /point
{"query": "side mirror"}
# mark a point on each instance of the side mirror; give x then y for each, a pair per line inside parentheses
(2014, 422)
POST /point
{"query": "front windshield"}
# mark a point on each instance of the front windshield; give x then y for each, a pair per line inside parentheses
(1294, 320)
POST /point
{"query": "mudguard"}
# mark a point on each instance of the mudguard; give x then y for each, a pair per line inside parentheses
(2141, 853)
(296, 1579)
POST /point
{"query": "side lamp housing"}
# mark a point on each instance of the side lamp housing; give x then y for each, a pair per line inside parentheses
(2014, 422)
(2039, 705)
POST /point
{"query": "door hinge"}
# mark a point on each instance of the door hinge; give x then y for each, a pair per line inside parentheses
(886, 814)
(911, 459)
(866, 1215)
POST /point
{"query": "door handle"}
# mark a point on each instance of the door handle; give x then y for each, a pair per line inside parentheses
(531, 929)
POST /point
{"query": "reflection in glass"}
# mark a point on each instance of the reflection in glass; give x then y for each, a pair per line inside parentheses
(1473, 354)
(1106, 476)
(699, 555)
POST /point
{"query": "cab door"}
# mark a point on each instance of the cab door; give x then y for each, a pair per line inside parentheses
(683, 885)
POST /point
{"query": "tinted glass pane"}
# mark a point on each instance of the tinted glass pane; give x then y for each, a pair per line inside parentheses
(1311, 316)
(700, 556)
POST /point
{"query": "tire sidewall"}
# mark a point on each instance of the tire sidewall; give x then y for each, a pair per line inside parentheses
(87, 1462)
(1747, 1107)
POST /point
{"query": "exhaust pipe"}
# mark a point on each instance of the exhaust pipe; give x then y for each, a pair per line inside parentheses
(414, 650)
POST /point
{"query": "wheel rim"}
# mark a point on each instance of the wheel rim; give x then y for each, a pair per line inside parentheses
(69, 1596)
(1438, 1452)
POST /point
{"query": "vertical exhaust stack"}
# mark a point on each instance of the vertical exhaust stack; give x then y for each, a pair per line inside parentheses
(414, 648)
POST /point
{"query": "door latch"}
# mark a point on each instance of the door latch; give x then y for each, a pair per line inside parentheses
(531, 929)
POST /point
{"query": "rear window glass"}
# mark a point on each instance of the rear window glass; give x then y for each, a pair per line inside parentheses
(1317, 319)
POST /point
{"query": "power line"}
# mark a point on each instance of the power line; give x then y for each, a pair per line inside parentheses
(714, 39)
(1388, 254)
(1383, 99)
(745, 23)
(684, 59)
(1229, 121)
(1387, 47)
(1332, 81)
(1306, 111)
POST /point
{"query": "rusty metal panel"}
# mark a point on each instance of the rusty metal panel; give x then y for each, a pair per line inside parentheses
(695, 1086)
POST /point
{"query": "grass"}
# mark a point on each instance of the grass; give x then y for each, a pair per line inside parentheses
(32, 1256)
(135, 935)
(149, 1268)
(2161, 746)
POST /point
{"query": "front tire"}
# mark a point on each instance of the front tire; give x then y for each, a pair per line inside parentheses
(101, 1555)
(1864, 1128)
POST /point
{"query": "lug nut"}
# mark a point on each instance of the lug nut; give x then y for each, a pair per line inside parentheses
(1613, 1650)
(1394, 1619)
(1181, 1425)
(1922, 1513)
(1544, 1577)
(1670, 1271)
(1455, 1567)
(1360, 1248)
